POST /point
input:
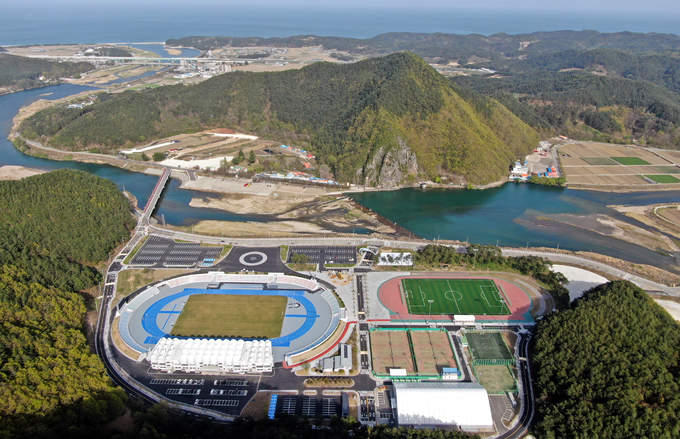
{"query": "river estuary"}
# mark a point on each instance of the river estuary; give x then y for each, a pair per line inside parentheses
(510, 215)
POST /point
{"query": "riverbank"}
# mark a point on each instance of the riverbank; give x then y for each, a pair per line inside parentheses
(9, 172)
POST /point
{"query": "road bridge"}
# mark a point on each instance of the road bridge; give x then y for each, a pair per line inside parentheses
(155, 196)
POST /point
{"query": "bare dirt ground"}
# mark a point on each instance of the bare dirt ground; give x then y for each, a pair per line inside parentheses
(646, 215)
(290, 215)
(605, 225)
(10, 172)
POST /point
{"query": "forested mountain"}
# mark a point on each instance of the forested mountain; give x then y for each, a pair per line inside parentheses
(609, 367)
(52, 385)
(51, 223)
(587, 106)
(381, 121)
(440, 47)
(18, 72)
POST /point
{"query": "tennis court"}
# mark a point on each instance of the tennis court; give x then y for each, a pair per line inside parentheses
(488, 348)
(391, 350)
(454, 296)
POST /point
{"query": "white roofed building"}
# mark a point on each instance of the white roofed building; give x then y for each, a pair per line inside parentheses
(436, 404)
(211, 355)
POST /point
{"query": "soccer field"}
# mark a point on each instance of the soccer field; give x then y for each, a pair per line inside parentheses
(454, 296)
(226, 315)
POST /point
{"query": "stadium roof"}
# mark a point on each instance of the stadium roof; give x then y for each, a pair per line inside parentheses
(465, 405)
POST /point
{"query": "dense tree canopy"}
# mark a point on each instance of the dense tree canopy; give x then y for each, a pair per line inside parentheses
(609, 367)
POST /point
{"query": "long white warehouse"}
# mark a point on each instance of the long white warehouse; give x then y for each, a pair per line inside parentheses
(437, 404)
(211, 355)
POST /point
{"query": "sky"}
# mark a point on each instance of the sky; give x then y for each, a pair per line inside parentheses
(565, 5)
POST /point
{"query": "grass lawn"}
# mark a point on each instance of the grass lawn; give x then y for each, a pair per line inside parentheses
(231, 316)
(630, 161)
(663, 178)
(453, 296)
(495, 379)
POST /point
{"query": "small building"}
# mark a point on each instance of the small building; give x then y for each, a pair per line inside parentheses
(338, 362)
(450, 373)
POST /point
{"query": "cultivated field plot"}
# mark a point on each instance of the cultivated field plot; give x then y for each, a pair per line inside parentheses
(432, 350)
(454, 296)
(496, 379)
(391, 350)
(604, 164)
(224, 315)
(488, 348)
(672, 214)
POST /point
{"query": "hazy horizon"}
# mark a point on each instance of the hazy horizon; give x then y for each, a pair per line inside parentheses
(80, 21)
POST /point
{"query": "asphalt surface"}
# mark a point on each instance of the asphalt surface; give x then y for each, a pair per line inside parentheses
(527, 415)
(325, 254)
(159, 252)
(259, 259)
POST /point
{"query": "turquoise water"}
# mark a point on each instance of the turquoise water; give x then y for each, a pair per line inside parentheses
(513, 215)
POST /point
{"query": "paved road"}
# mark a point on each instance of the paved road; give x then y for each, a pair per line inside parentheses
(528, 402)
(645, 284)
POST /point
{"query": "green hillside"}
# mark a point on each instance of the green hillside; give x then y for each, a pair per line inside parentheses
(381, 121)
(18, 72)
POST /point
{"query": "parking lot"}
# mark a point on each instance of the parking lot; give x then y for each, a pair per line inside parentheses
(310, 406)
(229, 395)
(162, 252)
(325, 254)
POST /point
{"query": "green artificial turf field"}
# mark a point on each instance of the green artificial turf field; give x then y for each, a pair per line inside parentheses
(230, 316)
(454, 296)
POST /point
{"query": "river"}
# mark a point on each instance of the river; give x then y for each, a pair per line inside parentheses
(509, 215)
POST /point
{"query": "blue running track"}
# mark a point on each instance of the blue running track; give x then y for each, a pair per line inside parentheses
(150, 325)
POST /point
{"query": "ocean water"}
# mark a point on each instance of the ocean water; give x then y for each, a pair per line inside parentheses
(93, 22)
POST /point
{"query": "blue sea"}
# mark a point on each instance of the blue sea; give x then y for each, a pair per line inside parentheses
(94, 22)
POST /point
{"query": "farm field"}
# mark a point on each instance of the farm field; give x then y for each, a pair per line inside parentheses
(596, 164)
(224, 315)
(454, 296)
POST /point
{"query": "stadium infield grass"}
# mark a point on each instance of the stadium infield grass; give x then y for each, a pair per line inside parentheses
(454, 296)
(224, 315)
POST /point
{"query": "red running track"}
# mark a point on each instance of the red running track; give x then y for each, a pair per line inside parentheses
(390, 296)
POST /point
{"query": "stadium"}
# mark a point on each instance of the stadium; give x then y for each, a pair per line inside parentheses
(228, 323)
(463, 298)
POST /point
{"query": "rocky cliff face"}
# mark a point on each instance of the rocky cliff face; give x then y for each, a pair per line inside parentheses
(391, 167)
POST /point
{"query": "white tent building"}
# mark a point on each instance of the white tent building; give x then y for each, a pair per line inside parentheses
(435, 404)
(211, 355)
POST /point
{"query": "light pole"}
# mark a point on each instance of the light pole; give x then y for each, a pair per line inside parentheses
(430, 312)
(474, 265)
